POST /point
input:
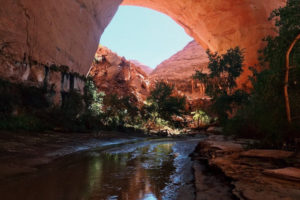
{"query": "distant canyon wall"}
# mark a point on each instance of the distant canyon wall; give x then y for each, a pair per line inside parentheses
(179, 69)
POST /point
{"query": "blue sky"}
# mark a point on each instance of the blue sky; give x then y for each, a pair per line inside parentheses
(145, 35)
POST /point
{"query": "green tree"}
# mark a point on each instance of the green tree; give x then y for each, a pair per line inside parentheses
(264, 116)
(201, 117)
(93, 99)
(119, 112)
(220, 83)
(161, 103)
(283, 47)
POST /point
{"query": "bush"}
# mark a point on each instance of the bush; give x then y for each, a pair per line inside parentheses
(72, 104)
(201, 118)
(162, 104)
(220, 83)
(22, 122)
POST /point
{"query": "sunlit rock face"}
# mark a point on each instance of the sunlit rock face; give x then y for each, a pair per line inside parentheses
(220, 24)
(179, 69)
(115, 75)
(37, 75)
(63, 32)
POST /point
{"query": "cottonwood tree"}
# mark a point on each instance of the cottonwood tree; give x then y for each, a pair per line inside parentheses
(283, 47)
(220, 83)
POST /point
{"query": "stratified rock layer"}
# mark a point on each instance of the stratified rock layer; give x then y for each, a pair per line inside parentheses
(115, 75)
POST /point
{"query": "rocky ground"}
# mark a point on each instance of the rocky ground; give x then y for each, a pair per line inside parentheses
(245, 174)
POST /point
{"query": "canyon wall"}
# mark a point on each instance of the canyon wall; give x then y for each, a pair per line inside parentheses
(66, 32)
(179, 69)
(40, 75)
(115, 75)
(63, 32)
(145, 68)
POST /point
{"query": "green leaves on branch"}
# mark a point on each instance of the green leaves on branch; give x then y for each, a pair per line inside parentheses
(93, 98)
(163, 103)
(224, 69)
(201, 117)
(220, 83)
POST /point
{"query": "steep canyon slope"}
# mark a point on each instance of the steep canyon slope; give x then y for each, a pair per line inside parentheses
(113, 74)
(179, 69)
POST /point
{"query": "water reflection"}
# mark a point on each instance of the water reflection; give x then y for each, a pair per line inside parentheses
(140, 174)
(127, 176)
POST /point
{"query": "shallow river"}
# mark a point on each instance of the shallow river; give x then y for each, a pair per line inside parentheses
(149, 170)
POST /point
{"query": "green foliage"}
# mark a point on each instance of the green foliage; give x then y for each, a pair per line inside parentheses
(264, 114)
(19, 105)
(201, 117)
(224, 69)
(18, 95)
(220, 83)
(72, 104)
(119, 112)
(287, 22)
(22, 122)
(93, 99)
(162, 105)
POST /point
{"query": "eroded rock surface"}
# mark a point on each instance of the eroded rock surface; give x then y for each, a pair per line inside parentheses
(32, 73)
(255, 177)
(115, 75)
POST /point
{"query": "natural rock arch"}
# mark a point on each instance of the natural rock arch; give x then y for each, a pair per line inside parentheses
(67, 31)
(219, 25)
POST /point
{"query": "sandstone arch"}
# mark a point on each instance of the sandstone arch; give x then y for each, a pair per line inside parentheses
(67, 31)
(218, 24)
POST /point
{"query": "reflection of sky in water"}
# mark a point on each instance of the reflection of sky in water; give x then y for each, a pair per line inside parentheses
(132, 173)
(142, 171)
(149, 197)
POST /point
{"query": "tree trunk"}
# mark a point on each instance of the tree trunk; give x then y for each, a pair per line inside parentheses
(286, 80)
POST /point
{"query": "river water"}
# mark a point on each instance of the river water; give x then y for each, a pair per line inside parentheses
(149, 170)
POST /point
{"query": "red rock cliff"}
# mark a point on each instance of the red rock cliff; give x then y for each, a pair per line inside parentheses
(180, 68)
(115, 75)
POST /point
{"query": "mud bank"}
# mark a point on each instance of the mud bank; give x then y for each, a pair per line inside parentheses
(25, 152)
(226, 169)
